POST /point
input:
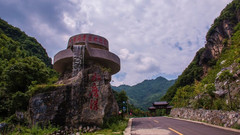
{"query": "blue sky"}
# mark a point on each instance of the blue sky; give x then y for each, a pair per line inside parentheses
(151, 37)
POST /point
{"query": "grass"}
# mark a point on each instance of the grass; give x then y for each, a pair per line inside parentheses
(112, 126)
(236, 126)
(33, 90)
(35, 130)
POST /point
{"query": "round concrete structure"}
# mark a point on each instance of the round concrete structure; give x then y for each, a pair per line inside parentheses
(92, 40)
(96, 51)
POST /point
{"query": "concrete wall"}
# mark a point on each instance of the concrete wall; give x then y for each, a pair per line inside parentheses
(216, 117)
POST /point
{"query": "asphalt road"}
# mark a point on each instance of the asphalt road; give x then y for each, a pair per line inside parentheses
(168, 126)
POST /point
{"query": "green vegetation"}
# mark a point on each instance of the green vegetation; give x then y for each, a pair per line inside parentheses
(145, 93)
(201, 93)
(195, 89)
(16, 39)
(25, 70)
(115, 124)
(193, 72)
(24, 64)
(35, 89)
(122, 99)
(228, 14)
(35, 130)
(127, 109)
(182, 96)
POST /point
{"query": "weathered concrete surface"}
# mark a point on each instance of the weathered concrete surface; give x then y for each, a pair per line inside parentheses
(64, 58)
(92, 39)
(83, 100)
(97, 50)
(216, 117)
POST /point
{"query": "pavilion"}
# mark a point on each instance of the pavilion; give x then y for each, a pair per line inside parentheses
(160, 105)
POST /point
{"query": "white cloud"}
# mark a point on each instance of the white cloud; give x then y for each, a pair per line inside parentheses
(151, 37)
(70, 23)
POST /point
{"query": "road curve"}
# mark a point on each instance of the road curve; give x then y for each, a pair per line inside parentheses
(169, 126)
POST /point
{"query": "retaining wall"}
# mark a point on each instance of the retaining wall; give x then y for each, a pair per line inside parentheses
(216, 117)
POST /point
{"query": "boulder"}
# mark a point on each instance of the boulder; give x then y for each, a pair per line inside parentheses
(83, 100)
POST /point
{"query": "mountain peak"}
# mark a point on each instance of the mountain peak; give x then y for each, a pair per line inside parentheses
(143, 94)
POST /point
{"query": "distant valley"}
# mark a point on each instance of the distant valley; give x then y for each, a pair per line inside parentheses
(143, 94)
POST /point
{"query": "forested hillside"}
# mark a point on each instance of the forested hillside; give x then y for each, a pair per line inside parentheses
(145, 93)
(23, 64)
(211, 81)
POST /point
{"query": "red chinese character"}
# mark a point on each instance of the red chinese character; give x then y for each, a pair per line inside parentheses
(84, 37)
(74, 39)
(79, 38)
(95, 94)
(100, 40)
(99, 77)
(95, 39)
(70, 41)
(94, 87)
(94, 77)
(89, 38)
(91, 103)
(95, 104)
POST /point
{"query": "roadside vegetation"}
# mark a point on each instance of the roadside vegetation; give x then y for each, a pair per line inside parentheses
(200, 94)
(196, 89)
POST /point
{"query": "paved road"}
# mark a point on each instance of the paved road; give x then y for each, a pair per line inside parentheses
(168, 126)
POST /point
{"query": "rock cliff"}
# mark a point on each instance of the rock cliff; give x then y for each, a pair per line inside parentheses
(222, 43)
(218, 35)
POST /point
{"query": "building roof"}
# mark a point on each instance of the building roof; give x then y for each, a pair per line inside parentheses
(160, 103)
(151, 108)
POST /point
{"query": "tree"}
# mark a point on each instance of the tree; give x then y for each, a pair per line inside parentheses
(20, 73)
(182, 96)
(16, 77)
(122, 100)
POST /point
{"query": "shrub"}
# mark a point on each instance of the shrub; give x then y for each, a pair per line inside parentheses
(115, 123)
(35, 130)
(33, 90)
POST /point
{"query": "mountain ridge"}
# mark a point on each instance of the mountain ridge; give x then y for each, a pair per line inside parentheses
(143, 94)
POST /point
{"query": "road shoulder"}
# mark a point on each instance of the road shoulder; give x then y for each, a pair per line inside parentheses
(129, 127)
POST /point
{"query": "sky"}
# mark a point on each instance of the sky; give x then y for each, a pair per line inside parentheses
(152, 37)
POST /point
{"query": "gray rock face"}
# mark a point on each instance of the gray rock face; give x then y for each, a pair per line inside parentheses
(214, 45)
(215, 41)
(85, 99)
(226, 88)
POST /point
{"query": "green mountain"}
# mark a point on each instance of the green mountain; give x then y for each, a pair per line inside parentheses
(23, 64)
(211, 80)
(142, 95)
(25, 43)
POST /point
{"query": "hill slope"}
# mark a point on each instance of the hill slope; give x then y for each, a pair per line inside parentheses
(26, 43)
(143, 94)
(212, 78)
(22, 65)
